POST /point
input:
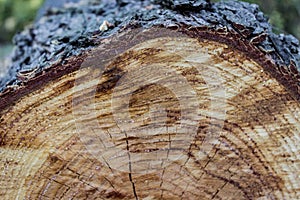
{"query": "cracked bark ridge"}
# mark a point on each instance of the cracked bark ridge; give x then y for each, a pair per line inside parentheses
(139, 131)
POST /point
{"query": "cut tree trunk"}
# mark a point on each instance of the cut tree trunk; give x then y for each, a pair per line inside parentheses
(151, 100)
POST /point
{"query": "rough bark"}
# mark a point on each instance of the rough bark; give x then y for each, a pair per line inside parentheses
(151, 100)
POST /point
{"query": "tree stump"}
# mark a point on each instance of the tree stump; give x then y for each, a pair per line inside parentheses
(151, 100)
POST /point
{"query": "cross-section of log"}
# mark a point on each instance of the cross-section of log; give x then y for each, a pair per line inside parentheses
(151, 100)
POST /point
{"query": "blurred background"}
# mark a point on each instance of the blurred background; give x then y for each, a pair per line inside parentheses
(17, 14)
(14, 16)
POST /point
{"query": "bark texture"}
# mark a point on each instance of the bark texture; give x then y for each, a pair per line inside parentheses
(151, 100)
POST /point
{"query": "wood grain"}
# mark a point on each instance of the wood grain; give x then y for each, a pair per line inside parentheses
(168, 118)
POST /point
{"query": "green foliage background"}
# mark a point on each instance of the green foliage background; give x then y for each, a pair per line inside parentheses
(15, 14)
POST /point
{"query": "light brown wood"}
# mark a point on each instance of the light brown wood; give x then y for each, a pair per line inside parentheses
(168, 118)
